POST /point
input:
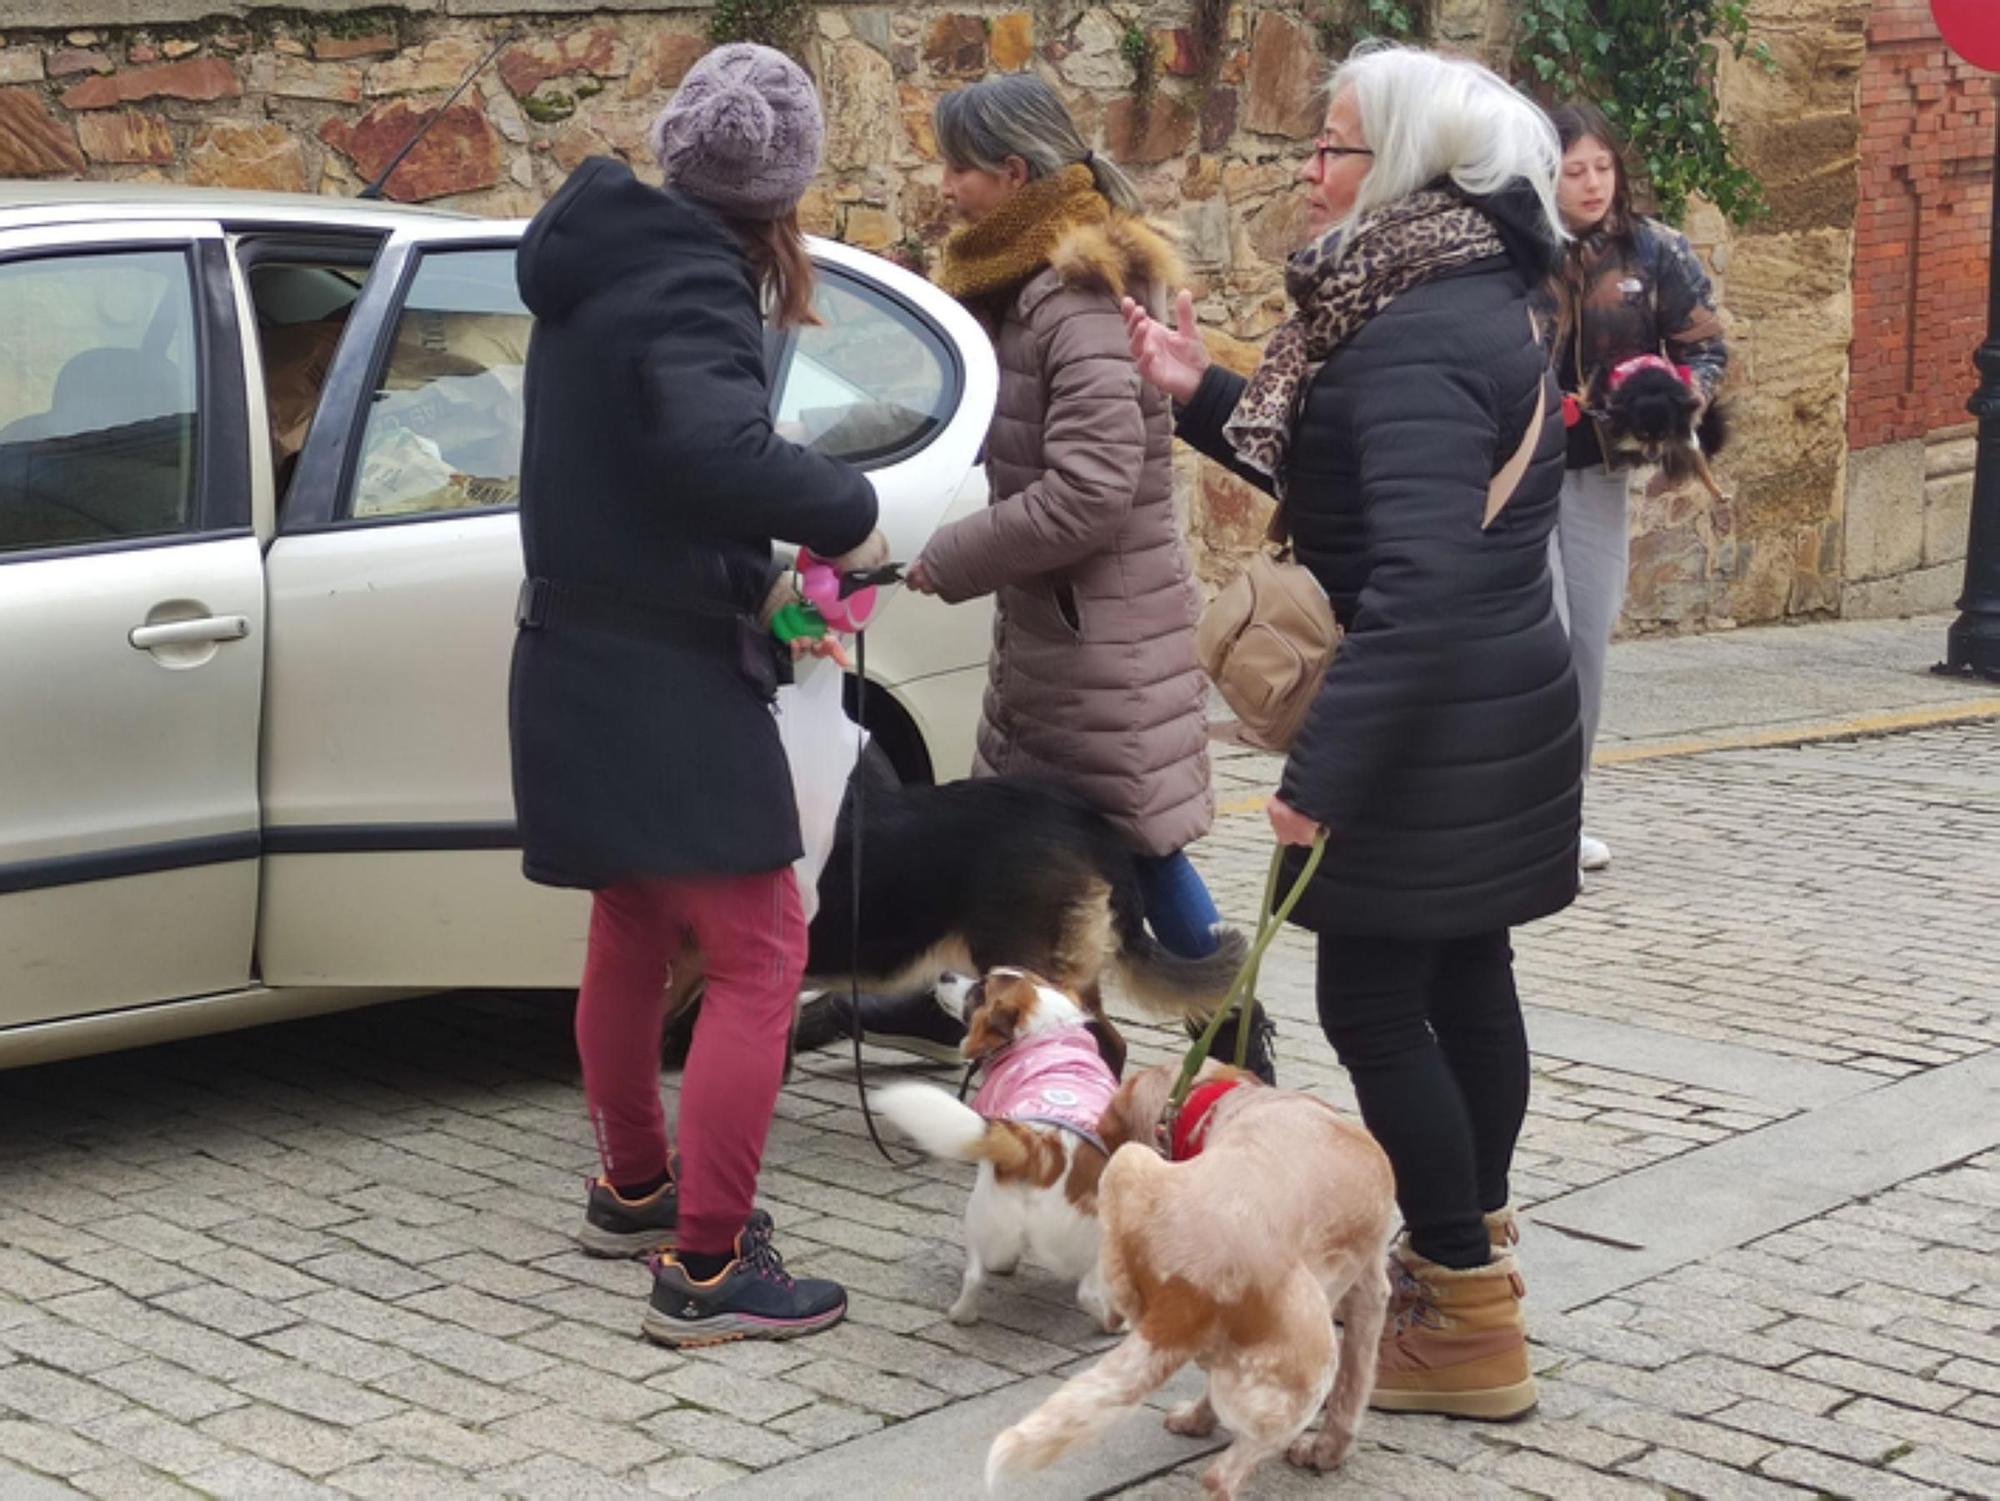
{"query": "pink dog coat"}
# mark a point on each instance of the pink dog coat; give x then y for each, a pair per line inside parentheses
(1050, 1079)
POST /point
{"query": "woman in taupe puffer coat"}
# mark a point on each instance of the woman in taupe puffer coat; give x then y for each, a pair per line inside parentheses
(1093, 676)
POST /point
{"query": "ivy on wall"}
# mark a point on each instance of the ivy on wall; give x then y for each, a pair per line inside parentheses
(774, 23)
(1343, 23)
(1650, 65)
(1142, 56)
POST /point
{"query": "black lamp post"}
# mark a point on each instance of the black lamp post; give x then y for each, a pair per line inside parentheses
(1973, 644)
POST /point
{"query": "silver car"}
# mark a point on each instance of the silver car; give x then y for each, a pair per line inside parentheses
(258, 563)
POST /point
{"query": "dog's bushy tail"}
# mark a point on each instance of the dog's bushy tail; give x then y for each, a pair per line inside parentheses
(1086, 1406)
(1166, 984)
(946, 1128)
(1713, 431)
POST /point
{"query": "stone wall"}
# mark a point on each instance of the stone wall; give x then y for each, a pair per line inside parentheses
(1909, 505)
(316, 97)
(1920, 264)
(1772, 550)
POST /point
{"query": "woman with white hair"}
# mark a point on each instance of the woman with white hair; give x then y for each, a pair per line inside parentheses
(1443, 756)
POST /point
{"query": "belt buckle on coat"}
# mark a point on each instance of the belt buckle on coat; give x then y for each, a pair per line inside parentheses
(531, 605)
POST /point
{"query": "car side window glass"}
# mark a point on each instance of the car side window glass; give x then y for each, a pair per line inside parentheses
(97, 398)
(871, 382)
(444, 423)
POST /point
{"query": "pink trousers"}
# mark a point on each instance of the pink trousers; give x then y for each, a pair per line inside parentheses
(752, 935)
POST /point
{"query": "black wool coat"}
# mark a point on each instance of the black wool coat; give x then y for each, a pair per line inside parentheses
(651, 479)
(1444, 750)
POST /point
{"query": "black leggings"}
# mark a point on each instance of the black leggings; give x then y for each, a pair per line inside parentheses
(1430, 1031)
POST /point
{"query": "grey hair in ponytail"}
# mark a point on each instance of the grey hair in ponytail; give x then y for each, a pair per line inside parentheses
(1016, 114)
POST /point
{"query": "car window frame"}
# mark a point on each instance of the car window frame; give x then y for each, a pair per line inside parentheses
(870, 291)
(321, 495)
(221, 479)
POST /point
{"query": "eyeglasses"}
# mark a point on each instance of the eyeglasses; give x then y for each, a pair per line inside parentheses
(1322, 149)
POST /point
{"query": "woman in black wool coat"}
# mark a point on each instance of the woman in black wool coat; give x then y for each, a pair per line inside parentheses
(1442, 756)
(647, 763)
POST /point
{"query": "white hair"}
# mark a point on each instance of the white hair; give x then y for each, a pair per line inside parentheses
(1427, 116)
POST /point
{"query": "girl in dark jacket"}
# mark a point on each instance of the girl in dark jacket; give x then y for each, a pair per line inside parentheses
(647, 763)
(1628, 286)
(1442, 757)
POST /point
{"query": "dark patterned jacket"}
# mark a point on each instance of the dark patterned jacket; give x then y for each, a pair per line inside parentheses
(1610, 302)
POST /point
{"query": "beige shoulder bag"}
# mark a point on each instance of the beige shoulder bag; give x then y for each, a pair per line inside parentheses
(1268, 637)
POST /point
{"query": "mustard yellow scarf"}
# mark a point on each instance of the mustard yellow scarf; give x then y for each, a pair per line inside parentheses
(1017, 239)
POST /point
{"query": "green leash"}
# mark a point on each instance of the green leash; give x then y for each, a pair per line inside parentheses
(1244, 990)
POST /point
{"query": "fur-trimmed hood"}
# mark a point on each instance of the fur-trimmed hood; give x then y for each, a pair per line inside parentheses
(1123, 254)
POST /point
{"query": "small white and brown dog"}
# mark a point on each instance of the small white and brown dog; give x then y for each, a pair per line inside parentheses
(1267, 1219)
(1048, 1069)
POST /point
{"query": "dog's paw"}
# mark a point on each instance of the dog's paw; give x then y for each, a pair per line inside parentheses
(1192, 1419)
(1099, 1310)
(1319, 1451)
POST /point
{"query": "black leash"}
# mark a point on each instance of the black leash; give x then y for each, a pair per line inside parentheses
(848, 583)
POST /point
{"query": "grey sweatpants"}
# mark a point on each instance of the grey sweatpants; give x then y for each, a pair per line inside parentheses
(1589, 551)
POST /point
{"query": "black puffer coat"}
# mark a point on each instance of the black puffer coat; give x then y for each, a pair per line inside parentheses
(1444, 751)
(653, 487)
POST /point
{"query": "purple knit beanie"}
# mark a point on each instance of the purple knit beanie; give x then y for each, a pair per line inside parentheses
(743, 133)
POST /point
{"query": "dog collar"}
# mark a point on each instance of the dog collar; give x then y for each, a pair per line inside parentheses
(1572, 409)
(1190, 1129)
(1626, 369)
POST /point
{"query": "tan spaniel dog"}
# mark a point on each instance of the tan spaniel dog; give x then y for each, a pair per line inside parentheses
(1240, 1256)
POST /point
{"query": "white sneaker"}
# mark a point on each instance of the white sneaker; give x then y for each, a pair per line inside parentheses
(1592, 854)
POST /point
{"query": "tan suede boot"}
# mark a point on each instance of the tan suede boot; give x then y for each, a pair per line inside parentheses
(1457, 1344)
(1503, 1234)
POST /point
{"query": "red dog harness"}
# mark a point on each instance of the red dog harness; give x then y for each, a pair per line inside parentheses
(1190, 1130)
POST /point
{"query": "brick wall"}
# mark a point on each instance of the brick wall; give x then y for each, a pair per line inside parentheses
(1920, 252)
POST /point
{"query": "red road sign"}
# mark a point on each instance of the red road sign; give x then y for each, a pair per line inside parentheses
(1971, 29)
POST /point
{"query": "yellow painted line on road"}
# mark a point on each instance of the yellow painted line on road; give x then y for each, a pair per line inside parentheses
(1931, 716)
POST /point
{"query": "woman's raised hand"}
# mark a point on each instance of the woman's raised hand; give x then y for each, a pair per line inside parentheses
(1171, 358)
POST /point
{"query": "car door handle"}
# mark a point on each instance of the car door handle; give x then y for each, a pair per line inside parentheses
(181, 632)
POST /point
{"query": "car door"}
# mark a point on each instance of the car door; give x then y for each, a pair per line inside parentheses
(389, 815)
(132, 605)
(391, 856)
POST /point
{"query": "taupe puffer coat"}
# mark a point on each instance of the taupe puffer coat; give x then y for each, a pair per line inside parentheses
(1093, 680)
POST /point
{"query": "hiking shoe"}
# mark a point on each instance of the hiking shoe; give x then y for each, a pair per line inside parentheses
(615, 1226)
(917, 1023)
(817, 1026)
(1592, 853)
(1260, 1060)
(751, 1298)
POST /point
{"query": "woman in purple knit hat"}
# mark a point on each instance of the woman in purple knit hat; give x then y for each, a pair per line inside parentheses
(647, 764)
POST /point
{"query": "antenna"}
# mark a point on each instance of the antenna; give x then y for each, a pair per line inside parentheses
(374, 189)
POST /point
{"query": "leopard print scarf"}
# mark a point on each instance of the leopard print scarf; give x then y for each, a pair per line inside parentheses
(1388, 252)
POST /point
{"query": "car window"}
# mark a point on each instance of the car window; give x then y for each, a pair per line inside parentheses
(872, 381)
(444, 424)
(97, 398)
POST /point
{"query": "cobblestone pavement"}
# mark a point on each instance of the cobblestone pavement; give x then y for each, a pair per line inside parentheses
(331, 1258)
